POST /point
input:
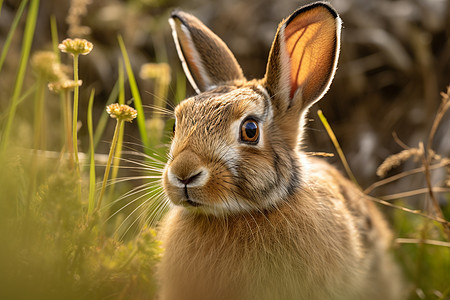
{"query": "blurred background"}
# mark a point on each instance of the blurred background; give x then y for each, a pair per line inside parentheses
(394, 63)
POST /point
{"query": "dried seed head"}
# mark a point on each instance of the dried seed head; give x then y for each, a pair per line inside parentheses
(121, 112)
(65, 85)
(395, 160)
(159, 71)
(46, 66)
(76, 46)
(77, 10)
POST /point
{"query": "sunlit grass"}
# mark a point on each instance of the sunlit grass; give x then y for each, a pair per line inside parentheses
(59, 243)
(18, 83)
(136, 96)
(11, 32)
(122, 113)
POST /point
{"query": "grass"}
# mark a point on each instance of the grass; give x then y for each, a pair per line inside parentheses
(136, 96)
(337, 146)
(11, 32)
(58, 241)
(25, 54)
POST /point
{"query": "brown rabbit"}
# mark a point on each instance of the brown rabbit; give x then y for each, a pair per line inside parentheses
(254, 217)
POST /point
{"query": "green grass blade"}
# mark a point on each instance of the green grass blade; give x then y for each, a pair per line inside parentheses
(101, 125)
(136, 96)
(180, 92)
(55, 38)
(108, 163)
(11, 32)
(92, 155)
(57, 52)
(118, 152)
(121, 83)
(116, 160)
(30, 91)
(25, 54)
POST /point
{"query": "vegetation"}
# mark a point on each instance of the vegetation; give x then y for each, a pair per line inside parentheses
(80, 194)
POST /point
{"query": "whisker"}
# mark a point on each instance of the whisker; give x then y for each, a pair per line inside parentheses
(153, 199)
(159, 211)
(144, 185)
(130, 214)
(141, 188)
(136, 191)
(126, 205)
(145, 166)
(164, 100)
(159, 109)
(148, 158)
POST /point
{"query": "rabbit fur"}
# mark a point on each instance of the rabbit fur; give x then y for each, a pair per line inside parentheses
(254, 217)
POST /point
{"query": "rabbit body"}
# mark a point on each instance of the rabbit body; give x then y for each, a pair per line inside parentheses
(254, 216)
(324, 242)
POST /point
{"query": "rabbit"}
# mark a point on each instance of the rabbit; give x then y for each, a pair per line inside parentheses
(252, 215)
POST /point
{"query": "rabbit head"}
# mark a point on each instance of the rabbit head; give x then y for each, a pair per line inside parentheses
(235, 143)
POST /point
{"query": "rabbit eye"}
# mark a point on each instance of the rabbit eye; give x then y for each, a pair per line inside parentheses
(250, 131)
(174, 126)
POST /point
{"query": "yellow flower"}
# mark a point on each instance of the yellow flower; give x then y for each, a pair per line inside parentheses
(59, 86)
(76, 46)
(121, 112)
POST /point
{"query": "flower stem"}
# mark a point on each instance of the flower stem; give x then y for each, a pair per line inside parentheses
(108, 164)
(92, 154)
(67, 125)
(117, 156)
(75, 120)
(39, 116)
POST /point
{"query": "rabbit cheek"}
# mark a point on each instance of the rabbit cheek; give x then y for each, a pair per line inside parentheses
(257, 177)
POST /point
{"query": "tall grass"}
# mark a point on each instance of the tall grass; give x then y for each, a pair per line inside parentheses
(11, 32)
(58, 240)
(25, 53)
(136, 96)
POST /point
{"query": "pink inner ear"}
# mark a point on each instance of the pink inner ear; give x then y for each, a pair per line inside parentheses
(310, 40)
(291, 43)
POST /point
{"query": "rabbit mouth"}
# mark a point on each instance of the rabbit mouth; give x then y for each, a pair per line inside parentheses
(190, 202)
(187, 201)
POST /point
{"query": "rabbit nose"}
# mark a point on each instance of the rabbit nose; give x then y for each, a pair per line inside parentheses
(187, 170)
(191, 179)
(199, 178)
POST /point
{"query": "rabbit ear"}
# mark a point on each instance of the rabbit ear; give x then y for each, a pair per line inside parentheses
(206, 59)
(303, 58)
